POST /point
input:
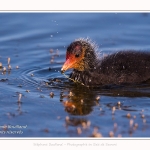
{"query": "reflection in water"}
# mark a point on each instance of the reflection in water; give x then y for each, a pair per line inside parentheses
(82, 125)
(72, 121)
(19, 109)
(79, 100)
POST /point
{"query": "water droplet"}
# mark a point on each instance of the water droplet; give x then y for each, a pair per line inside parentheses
(119, 103)
(51, 94)
(4, 69)
(8, 60)
(98, 98)
(19, 98)
(17, 67)
(111, 134)
(131, 122)
(1, 65)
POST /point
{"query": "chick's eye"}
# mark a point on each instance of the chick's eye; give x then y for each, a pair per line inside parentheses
(77, 55)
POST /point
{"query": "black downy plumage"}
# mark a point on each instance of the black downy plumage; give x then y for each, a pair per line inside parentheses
(122, 67)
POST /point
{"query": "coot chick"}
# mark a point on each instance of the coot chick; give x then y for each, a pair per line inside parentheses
(123, 67)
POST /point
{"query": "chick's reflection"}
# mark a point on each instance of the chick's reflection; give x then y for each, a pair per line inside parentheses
(78, 101)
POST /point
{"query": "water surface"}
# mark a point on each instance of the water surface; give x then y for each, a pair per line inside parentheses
(36, 45)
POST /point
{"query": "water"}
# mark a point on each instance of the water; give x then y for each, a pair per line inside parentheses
(36, 43)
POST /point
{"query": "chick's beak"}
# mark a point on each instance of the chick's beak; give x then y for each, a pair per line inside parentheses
(67, 65)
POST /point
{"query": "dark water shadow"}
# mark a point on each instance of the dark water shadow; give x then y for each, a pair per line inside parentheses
(126, 90)
(80, 100)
